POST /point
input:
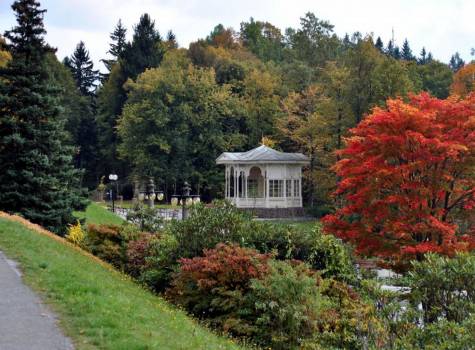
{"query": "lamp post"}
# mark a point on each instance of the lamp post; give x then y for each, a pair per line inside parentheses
(184, 197)
(150, 194)
(114, 178)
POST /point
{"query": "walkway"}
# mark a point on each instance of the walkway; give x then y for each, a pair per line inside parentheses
(25, 323)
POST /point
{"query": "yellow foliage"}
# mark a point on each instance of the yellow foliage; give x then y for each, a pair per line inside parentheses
(76, 234)
(5, 56)
(464, 80)
(267, 141)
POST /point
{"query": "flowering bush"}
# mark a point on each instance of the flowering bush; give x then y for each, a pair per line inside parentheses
(76, 234)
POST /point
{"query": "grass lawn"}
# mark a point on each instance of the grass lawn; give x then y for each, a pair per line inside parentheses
(300, 225)
(98, 214)
(98, 306)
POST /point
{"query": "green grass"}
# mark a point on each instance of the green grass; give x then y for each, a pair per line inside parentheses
(98, 214)
(99, 307)
(300, 225)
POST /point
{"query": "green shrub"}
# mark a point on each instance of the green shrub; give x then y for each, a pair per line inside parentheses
(288, 305)
(144, 217)
(160, 263)
(331, 257)
(206, 227)
(440, 335)
(445, 287)
(223, 223)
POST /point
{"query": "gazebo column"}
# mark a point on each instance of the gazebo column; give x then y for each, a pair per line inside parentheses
(300, 188)
(226, 182)
(245, 185)
(266, 188)
(236, 183)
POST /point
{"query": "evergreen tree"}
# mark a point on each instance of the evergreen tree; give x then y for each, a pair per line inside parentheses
(390, 48)
(423, 58)
(117, 46)
(456, 62)
(171, 40)
(82, 68)
(397, 53)
(430, 58)
(145, 50)
(379, 44)
(346, 40)
(406, 53)
(37, 178)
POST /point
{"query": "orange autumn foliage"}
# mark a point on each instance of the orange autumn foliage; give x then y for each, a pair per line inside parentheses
(464, 80)
(407, 180)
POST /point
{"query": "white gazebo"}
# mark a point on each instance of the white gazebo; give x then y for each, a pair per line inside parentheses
(263, 178)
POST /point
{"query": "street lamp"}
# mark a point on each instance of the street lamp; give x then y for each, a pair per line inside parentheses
(184, 198)
(149, 194)
(113, 177)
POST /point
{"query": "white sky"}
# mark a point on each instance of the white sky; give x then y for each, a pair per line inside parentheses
(442, 26)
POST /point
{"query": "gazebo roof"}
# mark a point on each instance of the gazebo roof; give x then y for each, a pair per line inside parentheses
(262, 154)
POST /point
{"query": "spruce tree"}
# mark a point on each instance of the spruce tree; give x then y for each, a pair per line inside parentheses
(423, 58)
(396, 53)
(406, 53)
(145, 50)
(171, 40)
(82, 68)
(430, 58)
(37, 179)
(379, 44)
(390, 48)
(117, 46)
(456, 62)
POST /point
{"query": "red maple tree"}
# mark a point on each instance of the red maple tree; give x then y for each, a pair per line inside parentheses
(407, 179)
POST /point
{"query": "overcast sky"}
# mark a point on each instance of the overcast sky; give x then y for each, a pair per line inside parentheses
(442, 26)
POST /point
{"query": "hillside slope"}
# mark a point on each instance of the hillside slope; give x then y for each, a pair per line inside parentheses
(98, 306)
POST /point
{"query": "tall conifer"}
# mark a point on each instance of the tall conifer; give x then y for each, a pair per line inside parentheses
(37, 178)
(82, 68)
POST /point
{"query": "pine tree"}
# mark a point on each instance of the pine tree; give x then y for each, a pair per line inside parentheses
(82, 68)
(423, 58)
(390, 48)
(379, 44)
(406, 53)
(37, 178)
(397, 53)
(430, 58)
(171, 40)
(145, 50)
(117, 46)
(456, 62)
(346, 41)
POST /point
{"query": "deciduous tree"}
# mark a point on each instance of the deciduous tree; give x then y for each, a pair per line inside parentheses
(407, 179)
(464, 80)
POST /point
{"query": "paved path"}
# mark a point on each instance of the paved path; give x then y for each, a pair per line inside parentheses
(25, 323)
